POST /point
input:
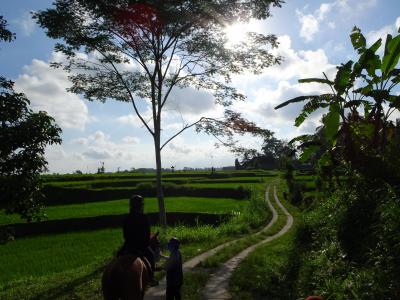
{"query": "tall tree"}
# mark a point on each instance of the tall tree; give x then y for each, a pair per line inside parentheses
(24, 135)
(171, 44)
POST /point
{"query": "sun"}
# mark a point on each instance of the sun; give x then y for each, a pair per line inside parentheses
(236, 33)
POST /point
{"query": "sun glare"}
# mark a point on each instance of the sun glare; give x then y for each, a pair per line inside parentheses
(236, 33)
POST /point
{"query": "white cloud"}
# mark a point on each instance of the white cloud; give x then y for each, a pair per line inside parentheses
(100, 146)
(296, 65)
(130, 140)
(354, 7)
(190, 101)
(323, 10)
(46, 87)
(374, 35)
(279, 83)
(55, 152)
(181, 149)
(80, 141)
(133, 120)
(97, 154)
(311, 23)
(309, 26)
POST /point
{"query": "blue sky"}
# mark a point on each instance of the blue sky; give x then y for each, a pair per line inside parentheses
(313, 36)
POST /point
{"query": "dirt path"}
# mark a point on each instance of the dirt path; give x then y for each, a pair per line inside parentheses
(218, 284)
(157, 293)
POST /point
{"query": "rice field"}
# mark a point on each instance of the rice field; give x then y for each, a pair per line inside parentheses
(34, 267)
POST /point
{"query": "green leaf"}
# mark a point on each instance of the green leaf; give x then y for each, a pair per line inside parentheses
(369, 61)
(343, 76)
(331, 123)
(367, 108)
(378, 94)
(301, 138)
(388, 40)
(392, 55)
(294, 100)
(358, 40)
(356, 103)
(311, 106)
(363, 129)
(325, 160)
(375, 46)
(308, 151)
(317, 80)
(394, 102)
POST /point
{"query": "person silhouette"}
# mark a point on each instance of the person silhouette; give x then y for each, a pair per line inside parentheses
(136, 232)
(174, 271)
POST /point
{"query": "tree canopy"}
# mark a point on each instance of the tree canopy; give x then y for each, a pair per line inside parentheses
(24, 136)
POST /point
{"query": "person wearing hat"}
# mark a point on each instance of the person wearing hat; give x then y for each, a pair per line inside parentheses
(136, 231)
(174, 271)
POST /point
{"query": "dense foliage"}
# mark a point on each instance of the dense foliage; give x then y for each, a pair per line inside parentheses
(349, 242)
(24, 136)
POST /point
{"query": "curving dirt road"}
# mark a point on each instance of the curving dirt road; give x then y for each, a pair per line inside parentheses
(218, 283)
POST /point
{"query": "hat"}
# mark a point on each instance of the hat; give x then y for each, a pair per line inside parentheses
(174, 242)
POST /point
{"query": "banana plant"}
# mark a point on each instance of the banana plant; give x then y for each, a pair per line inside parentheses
(362, 98)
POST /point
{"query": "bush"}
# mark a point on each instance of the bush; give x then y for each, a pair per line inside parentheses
(349, 244)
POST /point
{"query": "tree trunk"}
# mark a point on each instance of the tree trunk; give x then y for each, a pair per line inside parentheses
(160, 194)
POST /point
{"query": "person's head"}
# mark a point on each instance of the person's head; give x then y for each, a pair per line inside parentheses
(136, 204)
(173, 244)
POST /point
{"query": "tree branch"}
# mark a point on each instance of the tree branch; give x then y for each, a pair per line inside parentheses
(182, 130)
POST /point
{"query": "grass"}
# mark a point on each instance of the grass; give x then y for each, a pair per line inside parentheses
(55, 253)
(264, 273)
(173, 204)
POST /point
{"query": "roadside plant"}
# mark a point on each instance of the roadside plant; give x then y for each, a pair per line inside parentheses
(357, 130)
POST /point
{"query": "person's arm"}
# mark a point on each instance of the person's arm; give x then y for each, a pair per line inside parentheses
(125, 230)
(164, 256)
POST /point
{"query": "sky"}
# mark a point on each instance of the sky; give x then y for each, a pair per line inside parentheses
(313, 38)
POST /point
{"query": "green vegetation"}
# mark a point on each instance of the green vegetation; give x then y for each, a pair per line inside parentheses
(24, 136)
(55, 253)
(70, 265)
(347, 242)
